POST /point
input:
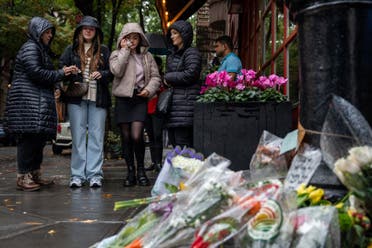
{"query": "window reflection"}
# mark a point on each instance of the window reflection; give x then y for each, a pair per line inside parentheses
(268, 41)
(293, 75)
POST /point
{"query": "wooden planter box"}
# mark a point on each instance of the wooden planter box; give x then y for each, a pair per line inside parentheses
(233, 130)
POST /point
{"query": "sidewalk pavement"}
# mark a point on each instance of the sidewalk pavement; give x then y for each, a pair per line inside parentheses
(59, 216)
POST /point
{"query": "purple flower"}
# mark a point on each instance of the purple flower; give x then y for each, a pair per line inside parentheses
(211, 79)
(273, 78)
(240, 79)
(256, 83)
(244, 82)
(240, 86)
(203, 89)
(249, 75)
(264, 83)
(277, 81)
(223, 79)
(281, 81)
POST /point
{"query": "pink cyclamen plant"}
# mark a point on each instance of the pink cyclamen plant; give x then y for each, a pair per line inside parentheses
(248, 86)
(247, 78)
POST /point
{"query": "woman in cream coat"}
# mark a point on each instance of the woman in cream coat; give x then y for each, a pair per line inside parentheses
(136, 79)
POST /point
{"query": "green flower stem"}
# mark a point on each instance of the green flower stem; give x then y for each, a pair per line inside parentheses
(142, 201)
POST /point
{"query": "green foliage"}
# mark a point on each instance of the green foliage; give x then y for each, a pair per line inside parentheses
(112, 145)
(271, 95)
(171, 188)
(13, 31)
(14, 22)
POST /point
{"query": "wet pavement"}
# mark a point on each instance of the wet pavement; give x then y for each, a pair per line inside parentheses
(59, 216)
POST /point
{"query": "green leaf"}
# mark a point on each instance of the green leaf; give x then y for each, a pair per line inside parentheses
(345, 221)
(171, 188)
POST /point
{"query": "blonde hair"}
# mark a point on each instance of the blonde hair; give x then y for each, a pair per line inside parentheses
(94, 55)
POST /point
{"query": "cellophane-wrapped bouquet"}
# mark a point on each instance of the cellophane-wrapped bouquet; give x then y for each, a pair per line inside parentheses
(206, 194)
(267, 162)
(178, 166)
(225, 226)
(317, 227)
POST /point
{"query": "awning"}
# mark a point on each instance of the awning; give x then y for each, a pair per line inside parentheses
(173, 10)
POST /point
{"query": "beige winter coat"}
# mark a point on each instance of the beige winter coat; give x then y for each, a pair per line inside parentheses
(123, 65)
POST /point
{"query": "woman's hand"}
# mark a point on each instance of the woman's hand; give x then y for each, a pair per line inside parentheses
(73, 69)
(144, 93)
(57, 94)
(123, 43)
(127, 44)
(95, 75)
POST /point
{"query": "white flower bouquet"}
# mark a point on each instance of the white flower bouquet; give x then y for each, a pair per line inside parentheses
(355, 172)
(178, 166)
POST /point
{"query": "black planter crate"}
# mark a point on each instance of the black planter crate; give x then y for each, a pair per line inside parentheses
(233, 130)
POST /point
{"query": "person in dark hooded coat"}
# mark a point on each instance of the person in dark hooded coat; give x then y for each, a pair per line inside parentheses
(87, 113)
(182, 73)
(30, 109)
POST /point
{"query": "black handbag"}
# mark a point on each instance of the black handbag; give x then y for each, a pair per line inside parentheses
(165, 97)
(76, 89)
(164, 101)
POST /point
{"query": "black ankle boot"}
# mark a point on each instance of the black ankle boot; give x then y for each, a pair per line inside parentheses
(141, 177)
(131, 177)
(158, 157)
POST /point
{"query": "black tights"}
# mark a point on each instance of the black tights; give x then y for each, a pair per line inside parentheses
(132, 143)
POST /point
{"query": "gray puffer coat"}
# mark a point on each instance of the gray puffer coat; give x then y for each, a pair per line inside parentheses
(183, 72)
(30, 103)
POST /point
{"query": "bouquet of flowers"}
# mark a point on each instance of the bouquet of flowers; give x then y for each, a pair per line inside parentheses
(355, 225)
(267, 161)
(135, 228)
(220, 87)
(355, 172)
(310, 196)
(226, 225)
(317, 227)
(178, 166)
(206, 195)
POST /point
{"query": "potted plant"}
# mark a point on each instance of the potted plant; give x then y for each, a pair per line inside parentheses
(230, 115)
(220, 87)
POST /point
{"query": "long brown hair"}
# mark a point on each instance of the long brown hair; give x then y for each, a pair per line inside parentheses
(94, 52)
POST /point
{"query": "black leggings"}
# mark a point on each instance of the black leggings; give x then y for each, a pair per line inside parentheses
(154, 128)
(132, 143)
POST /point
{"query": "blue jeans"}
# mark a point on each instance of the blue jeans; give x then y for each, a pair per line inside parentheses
(88, 130)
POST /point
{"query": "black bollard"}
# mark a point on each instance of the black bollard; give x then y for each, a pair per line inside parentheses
(335, 46)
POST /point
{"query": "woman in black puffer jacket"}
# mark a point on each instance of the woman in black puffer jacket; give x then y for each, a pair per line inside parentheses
(30, 111)
(182, 73)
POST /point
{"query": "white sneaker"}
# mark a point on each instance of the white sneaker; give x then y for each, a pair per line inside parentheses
(95, 182)
(76, 182)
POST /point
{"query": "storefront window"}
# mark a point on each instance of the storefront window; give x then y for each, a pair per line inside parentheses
(275, 45)
(279, 29)
(260, 52)
(267, 37)
(279, 64)
(293, 76)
